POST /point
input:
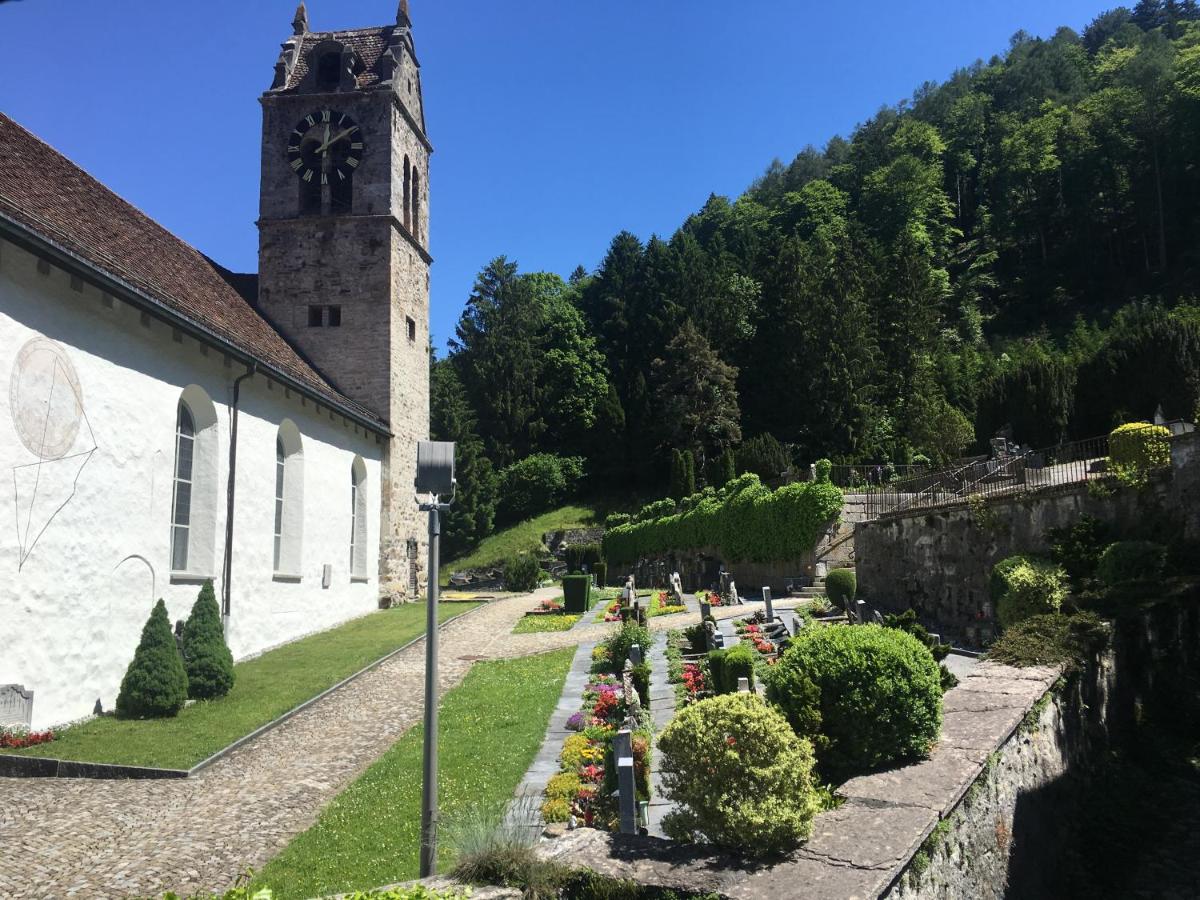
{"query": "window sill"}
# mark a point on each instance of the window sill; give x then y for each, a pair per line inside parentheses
(191, 578)
(290, 579)
(359, 579)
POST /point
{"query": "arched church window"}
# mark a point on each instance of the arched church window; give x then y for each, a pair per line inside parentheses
(416, 204)
(358, 518)
(289, 500)
(194, 494)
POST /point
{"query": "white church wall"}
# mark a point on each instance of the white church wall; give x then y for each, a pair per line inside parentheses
(85, 529)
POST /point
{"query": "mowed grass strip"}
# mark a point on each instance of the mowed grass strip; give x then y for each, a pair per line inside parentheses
(265, 688)
(546, 622)
(491, 727)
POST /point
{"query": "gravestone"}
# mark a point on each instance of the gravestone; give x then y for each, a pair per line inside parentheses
(705, 609)
(635, 655)
(770, 607)
(733, 594)
(626, 787)
(16, 705)
(743, 686)
(861, 611)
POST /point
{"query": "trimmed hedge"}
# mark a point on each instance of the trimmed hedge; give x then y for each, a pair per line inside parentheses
(579, 555)
(1138, 448)
(600, 570)
(577, 593)
(206, 656)
(739, 776)
(155, 684)
(730, 664)
(743, 522)
(840, 587)
(1131, 561)
(880, 689)
(1024, 586)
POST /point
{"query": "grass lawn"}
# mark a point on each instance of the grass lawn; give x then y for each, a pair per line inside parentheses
(524, 536)
(266, 687)
(546, 622)
(491, 727)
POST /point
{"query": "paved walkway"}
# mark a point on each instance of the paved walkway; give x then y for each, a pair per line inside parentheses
(104, 839)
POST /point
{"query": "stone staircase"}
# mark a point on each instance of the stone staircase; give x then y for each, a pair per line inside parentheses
(813, 591)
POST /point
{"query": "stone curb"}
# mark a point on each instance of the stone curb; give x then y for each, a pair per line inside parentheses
(49, 767)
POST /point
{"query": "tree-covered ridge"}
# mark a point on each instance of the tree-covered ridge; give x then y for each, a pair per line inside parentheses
(1015, 249)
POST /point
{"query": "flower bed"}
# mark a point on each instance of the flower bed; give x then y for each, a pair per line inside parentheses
(14, 738)
(752, 633)
(690, 677)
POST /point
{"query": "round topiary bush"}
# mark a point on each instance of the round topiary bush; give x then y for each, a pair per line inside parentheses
(1138, 448)
(840, 587)
(880, 694)
(155, 684)
(1131, 561)
(522, 573)
(206, 656)
(1024, 586)
(822, 469)
(739, 775)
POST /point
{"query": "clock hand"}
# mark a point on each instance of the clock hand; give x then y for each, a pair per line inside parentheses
(325, 146)
(330, 141)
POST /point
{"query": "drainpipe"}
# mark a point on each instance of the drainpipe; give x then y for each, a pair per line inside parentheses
(227, 570)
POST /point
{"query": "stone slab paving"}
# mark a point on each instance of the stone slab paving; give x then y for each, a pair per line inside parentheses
(84, 838)
(860, 848)
(662, 710)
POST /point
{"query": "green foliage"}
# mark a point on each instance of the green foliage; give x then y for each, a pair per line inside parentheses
(907, 622)
(822, 468)
(730, 664)
(840, 587)
(881, 694)
(1024, 586)
(764, 456)
(155, 684)
(656, 510)
(616, 648)
(799, 699)
(577, 593)
(613, 520)
(739, 776)
(1051, 640)
(541, 624)
(1077, 547)
(743, 522)
(207, 659)
(522, 573)
(600, 570)
(1126, 561)
(579, 555)
(1137, 449)
(537, 483)
(1035, 395)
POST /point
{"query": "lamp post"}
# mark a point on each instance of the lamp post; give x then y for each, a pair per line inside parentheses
(435, 478)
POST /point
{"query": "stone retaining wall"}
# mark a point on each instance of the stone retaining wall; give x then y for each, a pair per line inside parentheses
(938, 561)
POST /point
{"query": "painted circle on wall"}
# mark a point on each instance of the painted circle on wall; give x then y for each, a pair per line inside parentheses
(45, 399)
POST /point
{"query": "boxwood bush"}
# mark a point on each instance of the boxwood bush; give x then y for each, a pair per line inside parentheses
(840, 587)
(880, 694)
(1138, 448)
(744, 521)
(1024, 586)
(739, 776)
(155, 684)
(730, 664)
(522, 573)
(1131, 561)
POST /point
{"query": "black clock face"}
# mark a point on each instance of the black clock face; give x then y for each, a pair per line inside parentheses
(326, 146)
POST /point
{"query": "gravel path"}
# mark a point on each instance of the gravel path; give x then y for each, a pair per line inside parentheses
(105, 839)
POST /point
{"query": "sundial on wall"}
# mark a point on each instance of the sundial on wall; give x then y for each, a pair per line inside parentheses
(46, 404)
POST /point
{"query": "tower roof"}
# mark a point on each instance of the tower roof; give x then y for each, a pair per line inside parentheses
(368, 43)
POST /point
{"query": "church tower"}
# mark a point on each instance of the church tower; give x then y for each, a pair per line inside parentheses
(343, 232)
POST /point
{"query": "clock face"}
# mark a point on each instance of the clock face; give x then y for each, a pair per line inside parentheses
(326, 147)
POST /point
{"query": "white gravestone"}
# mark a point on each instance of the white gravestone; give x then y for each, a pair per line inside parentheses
(16, 705)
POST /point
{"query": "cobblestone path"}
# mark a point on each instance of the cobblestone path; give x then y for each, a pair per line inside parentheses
(105, 839)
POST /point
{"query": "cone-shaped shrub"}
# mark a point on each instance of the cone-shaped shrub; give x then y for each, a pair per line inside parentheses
(155, 684)
(206, 656)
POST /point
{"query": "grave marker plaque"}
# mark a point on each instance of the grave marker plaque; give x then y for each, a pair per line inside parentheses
(770, 607)
(16, 705)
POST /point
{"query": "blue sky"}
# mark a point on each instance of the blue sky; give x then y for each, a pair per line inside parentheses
(557, 123)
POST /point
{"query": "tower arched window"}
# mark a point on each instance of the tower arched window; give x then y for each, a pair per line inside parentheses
(417, 205)
(289, 500)
(194, 489)
(358, 519)
(329, 71)
(407, 194)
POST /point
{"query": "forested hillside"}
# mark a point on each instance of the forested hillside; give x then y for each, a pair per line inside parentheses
(1016, 248)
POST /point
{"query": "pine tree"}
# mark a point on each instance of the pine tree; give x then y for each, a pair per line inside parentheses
(689, 474)
(155, 684)
(206, 656)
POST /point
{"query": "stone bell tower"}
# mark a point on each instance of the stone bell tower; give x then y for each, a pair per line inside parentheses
(343, 232)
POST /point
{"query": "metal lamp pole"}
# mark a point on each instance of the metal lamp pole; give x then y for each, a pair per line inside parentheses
(435, 477)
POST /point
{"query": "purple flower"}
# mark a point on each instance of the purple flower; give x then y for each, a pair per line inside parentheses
(575, 723)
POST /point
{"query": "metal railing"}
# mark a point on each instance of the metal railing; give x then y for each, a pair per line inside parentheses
(867, 477)
(1020, 473)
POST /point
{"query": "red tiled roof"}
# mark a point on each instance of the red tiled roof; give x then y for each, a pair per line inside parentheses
(368, 43)
(50, 196)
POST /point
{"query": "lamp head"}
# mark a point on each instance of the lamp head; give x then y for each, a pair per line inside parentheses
(435, 468)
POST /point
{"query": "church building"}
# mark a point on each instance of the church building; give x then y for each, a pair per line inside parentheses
(169, 422)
